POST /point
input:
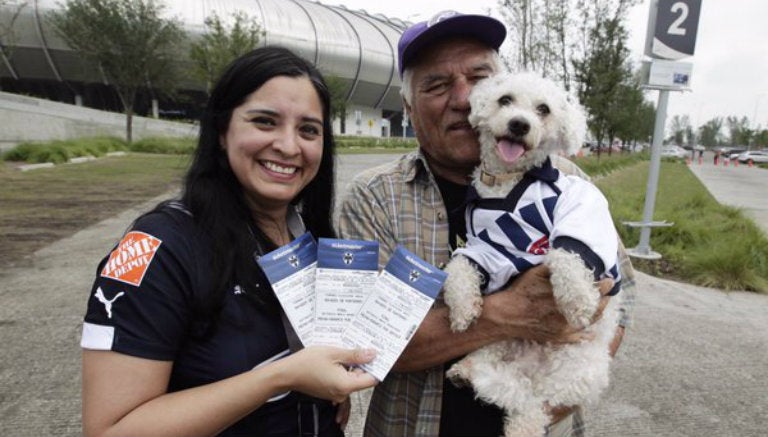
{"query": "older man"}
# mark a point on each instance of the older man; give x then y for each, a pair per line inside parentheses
(416, 202)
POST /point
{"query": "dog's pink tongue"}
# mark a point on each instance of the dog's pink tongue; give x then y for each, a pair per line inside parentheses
(509, 152)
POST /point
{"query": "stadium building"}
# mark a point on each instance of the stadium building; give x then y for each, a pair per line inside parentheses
(353, 45)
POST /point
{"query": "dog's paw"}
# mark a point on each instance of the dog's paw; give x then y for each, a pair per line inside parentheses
(459, 374)
(465, 314)
(462, 293)
(573, 287)
(529, 423)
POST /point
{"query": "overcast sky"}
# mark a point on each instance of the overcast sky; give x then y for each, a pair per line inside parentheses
(730, 64)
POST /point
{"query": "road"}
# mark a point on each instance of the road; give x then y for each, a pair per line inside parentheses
(694, 363)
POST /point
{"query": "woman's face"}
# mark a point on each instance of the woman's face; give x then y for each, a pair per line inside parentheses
(274, 141)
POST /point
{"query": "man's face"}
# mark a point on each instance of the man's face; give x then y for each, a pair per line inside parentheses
(441, 82)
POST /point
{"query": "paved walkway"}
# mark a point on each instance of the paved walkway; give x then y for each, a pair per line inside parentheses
(695, 362)
(737, 185)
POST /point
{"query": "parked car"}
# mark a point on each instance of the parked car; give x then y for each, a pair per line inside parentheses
(728, 151)
(674, 152)
(754, 156)
(696, 147)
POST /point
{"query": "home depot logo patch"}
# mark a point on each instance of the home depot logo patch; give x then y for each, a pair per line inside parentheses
(130, 260)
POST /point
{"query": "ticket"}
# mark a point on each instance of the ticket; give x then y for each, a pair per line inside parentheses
(391, 314)
(346, 273)
(291, 271)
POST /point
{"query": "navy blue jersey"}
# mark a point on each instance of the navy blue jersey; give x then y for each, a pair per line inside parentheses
(143, 304)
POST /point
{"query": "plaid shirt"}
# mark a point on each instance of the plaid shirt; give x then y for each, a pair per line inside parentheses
(400, 203)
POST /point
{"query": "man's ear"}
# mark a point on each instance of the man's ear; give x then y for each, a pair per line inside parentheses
(222, 142)
(406, 106)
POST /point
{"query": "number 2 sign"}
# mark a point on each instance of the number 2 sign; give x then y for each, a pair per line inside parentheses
(674, 29)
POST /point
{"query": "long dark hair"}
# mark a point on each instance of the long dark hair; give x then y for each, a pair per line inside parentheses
(213, 194)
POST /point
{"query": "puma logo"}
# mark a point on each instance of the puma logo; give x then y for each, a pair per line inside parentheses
(107, 303)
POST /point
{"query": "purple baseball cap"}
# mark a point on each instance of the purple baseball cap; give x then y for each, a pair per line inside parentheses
(483, 28)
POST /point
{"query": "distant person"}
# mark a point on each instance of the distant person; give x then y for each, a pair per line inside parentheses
(417, 201)
(183, 335)
(717, 157)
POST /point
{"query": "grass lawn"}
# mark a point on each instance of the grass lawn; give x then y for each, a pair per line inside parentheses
(41, 206)
(709, 244)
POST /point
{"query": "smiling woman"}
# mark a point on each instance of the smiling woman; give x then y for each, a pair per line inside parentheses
(274, 144)
(180, 308)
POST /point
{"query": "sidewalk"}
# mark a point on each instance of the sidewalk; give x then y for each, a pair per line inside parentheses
(694, 363)
(737, 185)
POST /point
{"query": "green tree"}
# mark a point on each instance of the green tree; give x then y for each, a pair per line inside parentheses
(133, 45)
(634, 118)
(7, 35)
(601, 76)
(739, 131)
(339, 90)
(221, 44)
(761, 139)
(680, 128)
(709, 133)
(646, 122)
(541, 36)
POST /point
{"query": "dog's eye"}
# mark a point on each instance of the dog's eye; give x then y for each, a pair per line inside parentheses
(542, 109)
(505, 100)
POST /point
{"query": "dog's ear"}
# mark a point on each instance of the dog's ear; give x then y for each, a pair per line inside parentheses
(574, 127)
(479, 100)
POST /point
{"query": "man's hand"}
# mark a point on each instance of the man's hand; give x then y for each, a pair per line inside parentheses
(527, 309)
(558, 413)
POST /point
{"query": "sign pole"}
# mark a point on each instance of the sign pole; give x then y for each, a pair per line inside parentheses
(672, 28)
(643, 249)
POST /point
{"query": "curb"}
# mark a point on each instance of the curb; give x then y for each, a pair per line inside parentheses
(76, 160)
(27, 167)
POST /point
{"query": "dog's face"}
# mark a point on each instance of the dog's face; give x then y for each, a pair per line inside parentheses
(521, 119)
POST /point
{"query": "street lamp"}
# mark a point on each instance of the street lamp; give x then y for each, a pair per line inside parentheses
(754, 117)
(757, 102)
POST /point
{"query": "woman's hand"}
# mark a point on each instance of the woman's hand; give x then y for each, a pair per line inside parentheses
(328, 372)
(342, 413)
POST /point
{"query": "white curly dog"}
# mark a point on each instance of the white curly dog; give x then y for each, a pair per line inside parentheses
(525, 212)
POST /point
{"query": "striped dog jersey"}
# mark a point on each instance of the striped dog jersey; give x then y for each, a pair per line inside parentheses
(546, 209)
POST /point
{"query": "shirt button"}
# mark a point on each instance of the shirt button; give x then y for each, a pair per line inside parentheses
(441, 266)
(440, 216)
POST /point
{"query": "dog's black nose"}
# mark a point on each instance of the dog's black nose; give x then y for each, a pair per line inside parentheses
(518, 127)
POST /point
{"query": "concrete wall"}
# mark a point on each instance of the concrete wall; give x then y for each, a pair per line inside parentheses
(25, 118)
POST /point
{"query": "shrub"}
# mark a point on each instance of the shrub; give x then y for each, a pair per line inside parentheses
(21, 152)
(169, 146)
(605, 164)
(62, 150)
(348, 142)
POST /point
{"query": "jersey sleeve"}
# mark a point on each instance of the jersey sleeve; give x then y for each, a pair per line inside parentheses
(582, 214)
(141, 300)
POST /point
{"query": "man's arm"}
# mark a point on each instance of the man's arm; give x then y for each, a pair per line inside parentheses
(525, 310)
